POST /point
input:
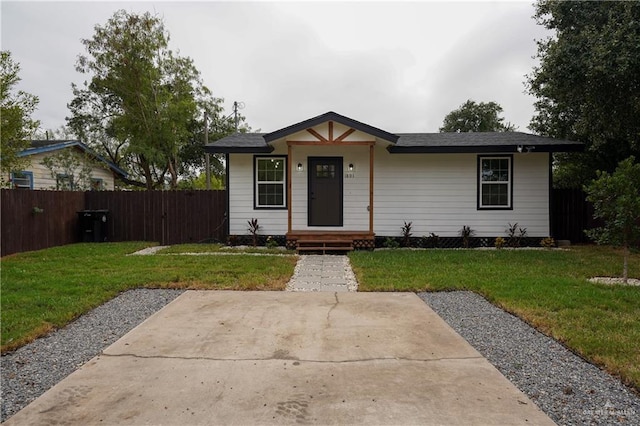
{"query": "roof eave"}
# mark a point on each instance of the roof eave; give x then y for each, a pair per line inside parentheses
(70, 144)
(49, 148)
(481, 149)
(330, 116)
(212, 149)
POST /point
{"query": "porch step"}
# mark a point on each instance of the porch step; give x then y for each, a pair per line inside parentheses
(324, 245)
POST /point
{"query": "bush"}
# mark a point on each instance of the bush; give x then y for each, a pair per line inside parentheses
(515, 235)
(466, 233)
(391, 243)
(431, 241)
(271, 242)
(406, 234)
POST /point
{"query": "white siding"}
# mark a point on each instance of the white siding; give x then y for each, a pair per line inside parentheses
(241, 202)
(355, 186)
(438, 193)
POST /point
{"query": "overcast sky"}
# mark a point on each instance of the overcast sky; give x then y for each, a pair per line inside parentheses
(399, 66)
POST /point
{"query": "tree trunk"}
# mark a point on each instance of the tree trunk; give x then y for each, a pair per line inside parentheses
(173, 174)
(146, 169)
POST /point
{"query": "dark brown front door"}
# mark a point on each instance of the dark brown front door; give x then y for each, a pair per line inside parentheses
(325, 191)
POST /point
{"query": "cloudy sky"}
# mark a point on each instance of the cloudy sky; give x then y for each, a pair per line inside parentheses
(399, 66)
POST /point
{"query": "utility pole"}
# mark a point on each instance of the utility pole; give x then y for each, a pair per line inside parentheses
(206, 156)
(236, 119)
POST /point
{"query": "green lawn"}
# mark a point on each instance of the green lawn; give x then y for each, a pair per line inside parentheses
(217, 248)
(46, 289)
(548, 289)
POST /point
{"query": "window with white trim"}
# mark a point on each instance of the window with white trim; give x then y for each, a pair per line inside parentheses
(22, 180)
(270, 182)
(495, 175)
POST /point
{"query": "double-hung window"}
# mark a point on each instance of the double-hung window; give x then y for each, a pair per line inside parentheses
(270, 182)
(22, 180)
(495, 182)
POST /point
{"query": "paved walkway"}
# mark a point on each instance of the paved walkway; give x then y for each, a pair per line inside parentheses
(323, 273)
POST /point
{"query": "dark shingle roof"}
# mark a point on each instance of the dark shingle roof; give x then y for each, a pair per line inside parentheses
(480, 142)
(404, 142)
(240, 142)
(330, 116)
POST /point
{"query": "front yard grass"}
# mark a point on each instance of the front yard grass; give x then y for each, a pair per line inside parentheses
(46, 289)
(217, 248)
(546, 288)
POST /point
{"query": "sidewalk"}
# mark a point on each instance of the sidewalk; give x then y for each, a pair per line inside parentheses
(323, 273)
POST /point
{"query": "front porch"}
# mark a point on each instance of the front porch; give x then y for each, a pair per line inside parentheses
(326, 241)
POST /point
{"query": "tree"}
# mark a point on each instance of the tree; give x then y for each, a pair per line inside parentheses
(15, 114)
(200, 182)
(476, 117)
(616, 200)
(588, 84)
(61, 133)
(142, 106)
(74, 167)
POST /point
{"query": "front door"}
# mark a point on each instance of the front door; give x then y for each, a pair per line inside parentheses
(325, 191)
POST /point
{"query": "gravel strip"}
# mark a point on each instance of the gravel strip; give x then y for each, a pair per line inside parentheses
(568, 389)
(34, 368)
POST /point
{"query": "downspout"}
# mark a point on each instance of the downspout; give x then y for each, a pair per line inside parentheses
(551, 206)
(371, 150)
(226, 186)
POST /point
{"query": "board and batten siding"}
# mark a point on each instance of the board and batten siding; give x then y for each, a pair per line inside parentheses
(438, 193)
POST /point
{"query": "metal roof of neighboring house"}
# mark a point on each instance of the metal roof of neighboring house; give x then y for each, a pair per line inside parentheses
(403, 142)
(43, 146)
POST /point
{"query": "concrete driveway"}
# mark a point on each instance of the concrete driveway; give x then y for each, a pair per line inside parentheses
(217, 357)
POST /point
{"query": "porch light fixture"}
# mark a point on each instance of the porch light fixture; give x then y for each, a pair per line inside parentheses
(519, 148)
(350, 167)
(300, 167)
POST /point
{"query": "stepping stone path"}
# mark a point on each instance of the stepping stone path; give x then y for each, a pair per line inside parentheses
(323, 273)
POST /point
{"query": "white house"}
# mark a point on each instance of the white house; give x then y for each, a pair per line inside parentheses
(332, 178)
(36, 175)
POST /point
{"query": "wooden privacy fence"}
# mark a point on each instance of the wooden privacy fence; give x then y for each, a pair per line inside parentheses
(33, 220)
(169, 217)
(571, 214)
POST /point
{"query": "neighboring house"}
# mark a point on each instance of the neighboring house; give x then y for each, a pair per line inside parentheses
(102, 173)
(334, 178)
